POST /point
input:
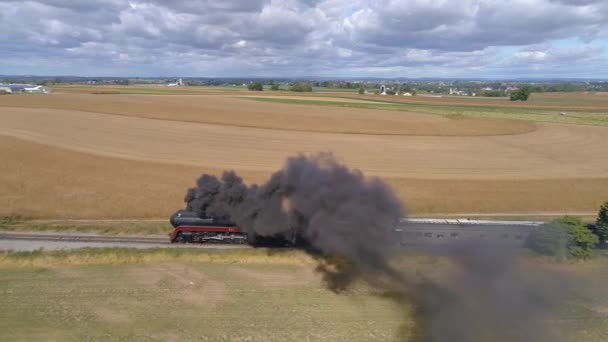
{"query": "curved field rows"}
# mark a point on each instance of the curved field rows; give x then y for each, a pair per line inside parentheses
(552, 151)
(227, 110)
(41, 181)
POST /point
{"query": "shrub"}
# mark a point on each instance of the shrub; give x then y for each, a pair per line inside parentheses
(361, 91)
(549, 239)
(582, 241)
(274, 87)
(565, 237)
(301, 87)
(255, 86)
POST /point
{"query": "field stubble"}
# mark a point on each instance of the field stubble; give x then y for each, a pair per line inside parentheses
(38, 181)
(138, 161)
(243, 112)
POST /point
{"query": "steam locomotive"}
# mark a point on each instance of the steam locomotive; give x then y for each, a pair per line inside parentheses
(190, 227)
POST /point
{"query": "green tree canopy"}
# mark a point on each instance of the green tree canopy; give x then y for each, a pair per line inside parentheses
(582, 240)
(256, 86)
(601, 223)
(521, 94)
(301, 87)
(565, 237)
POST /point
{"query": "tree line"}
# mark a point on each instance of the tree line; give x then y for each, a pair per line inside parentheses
(297, 87)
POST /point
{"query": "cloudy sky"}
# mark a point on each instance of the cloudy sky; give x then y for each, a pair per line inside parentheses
(290, 38)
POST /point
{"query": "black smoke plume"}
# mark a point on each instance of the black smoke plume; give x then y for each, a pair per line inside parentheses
(347, 221)
(345, 218)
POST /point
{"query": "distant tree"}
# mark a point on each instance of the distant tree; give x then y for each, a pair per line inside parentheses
(521, 94)
(601, 223)
(361, 90)
(274, 87)
(390, 92)
(406, 89)
(491, 93)
(255, 86)
(565, 237)
(537, 89)
(301, 87)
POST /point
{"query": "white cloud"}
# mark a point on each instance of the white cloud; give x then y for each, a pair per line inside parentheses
(302, 37)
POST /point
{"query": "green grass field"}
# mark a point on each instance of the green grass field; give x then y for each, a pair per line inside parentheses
(579, 116)
(103, 227)
(227, 295)
(176, 301)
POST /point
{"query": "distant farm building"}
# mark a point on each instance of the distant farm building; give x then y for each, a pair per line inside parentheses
(24, 88)
(179, 83)
(382, 90)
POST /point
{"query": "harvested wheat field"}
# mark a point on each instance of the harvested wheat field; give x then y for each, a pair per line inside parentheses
(115, 156)
(242, 112)
(551, 151)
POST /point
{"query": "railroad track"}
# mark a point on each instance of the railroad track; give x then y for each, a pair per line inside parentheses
(4, 235)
